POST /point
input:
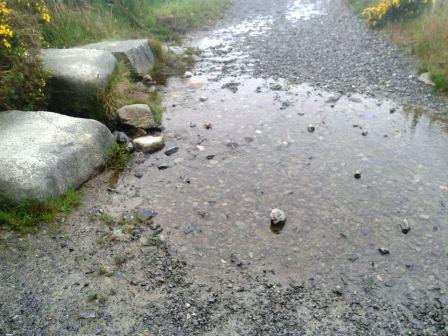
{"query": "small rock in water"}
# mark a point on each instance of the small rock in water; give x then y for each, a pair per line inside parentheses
(364, 133)
(357, 174)
(188, 74)
(404, 225)
(138, 174)
(207, 125)
(384, 250)
(192, 125)
(311, 128)
(232, 144)
(278, 217)
(149, 143)
(163, 166)
(171, 151)
(210, 157)
(203, 99)
(392, 110)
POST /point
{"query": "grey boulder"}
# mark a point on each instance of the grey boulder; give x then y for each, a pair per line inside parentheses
(137, 53)
(77, 79)
(137, 115)
(45, 154)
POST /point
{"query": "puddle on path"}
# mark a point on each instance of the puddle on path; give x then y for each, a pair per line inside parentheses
(259, 155)
(304, 10)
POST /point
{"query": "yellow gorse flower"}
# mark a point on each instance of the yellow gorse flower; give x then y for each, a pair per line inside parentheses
(36, 7)
(377, 14)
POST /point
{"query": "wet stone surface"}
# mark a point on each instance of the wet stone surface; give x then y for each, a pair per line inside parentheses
(210, 262)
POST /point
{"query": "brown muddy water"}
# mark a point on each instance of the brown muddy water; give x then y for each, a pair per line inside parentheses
(216, 196)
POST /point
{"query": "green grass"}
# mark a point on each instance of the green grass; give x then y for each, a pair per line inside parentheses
(427, 38)
(29, 215)
(359, 5)
(75, 23)
(424, 36)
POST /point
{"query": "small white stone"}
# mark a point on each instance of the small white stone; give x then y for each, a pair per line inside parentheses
(188, 74)
(277, 216)
(149, 143)
(203, 99)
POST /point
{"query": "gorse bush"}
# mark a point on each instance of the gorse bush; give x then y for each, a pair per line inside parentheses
(390, 10)
(22, 80)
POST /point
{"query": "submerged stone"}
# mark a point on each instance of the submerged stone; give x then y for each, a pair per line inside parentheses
(278, 217)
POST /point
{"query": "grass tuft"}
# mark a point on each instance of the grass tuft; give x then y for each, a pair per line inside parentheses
(29, 215)
(119, 158)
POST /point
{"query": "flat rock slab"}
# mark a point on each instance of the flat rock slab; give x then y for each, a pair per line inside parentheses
(77, 77)
(137, 115)
(44, 154)
(137, 53)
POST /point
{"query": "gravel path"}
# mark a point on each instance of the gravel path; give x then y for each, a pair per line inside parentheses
(209, 263)
(322, 42)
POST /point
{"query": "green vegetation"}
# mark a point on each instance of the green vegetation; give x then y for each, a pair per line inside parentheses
(424, 36)
(119, 158)
(29, 215)
(153, 241)
(104, 272)
(28, 25)
(75, 22)
(22, 80)
(120, 260)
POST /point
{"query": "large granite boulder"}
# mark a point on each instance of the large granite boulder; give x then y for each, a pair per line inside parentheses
(78, 77)
(44, 154)
(137, 53)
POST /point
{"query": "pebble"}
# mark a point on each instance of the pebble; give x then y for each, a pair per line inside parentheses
(188, 74)
(278, 217)
(384, 250)
(404, 225)
(311, 128)
(203, 99)
(357, 174)
(171, 151)
(207, 125)
(138, 174)
(338, 290)
(364, 133)
(210, 157)
(163, 166)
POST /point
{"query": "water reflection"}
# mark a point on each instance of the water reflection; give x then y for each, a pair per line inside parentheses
(304, 10)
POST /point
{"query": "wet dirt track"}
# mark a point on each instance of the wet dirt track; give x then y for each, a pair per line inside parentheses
(220, 269)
